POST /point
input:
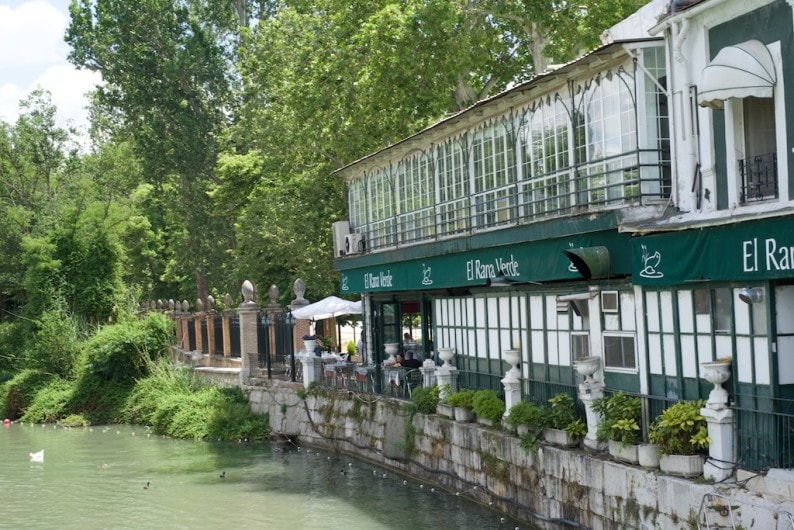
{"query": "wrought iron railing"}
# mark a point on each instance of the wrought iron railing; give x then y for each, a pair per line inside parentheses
(629, 179)
(764, 432)
(759, 178)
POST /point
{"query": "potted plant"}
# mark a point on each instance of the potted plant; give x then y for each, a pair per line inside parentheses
(620, 424)
(310, 343)
(425, 399)
(564, 426)
(461, 402)
(326, 343)
(681, 431)
(488, 407)
(525, 417)
(444, 409)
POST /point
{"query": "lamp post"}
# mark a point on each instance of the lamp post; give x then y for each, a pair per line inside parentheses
(266, 323)
(290, 320)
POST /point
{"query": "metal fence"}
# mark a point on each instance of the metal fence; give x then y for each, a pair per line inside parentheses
(764, 432)
(234, 336)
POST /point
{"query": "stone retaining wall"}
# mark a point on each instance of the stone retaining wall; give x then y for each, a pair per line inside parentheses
(550, 488)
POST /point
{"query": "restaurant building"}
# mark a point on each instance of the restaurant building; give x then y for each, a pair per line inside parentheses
(634, 204)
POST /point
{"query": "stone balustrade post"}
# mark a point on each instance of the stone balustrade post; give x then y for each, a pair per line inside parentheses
(198, 318)
(185, 325)
(177, 315)
(428, 370)
(249, 316)
(226, 329)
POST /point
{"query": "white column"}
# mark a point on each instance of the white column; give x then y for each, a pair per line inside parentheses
(428, 370)
(312, 367)
(512, 379)
(719, 418)
(446, 374)
(589, 392)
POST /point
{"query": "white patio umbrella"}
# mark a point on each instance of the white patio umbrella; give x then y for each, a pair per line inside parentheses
(330, 307)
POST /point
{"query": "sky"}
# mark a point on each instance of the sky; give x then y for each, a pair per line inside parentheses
(33, 54)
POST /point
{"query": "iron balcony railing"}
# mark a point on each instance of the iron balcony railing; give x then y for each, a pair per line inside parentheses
(759, 178)
(630, 179)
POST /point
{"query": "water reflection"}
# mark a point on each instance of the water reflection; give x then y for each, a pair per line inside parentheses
(125, 477)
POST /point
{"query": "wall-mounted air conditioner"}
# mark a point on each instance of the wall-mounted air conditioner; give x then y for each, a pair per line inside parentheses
(354, 244)
(340, 230)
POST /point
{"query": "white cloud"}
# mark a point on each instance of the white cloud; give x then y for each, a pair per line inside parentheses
(33, 54)
(32, 34)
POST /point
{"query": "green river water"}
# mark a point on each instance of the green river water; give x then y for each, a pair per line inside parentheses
(126, 477)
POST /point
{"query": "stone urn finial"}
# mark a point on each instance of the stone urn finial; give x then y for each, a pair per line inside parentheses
(273, 293)
(159, 304)
(152, 305)
(199, 305)
(227, 301)
(185, 306)
(299, 287)
(248, 292)
(210, 303)
(171, 304)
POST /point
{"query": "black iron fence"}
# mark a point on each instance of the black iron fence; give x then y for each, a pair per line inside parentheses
(234, 336)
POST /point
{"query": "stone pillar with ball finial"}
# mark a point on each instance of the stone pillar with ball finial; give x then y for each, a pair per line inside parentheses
(226, 326)
(209, 319)
(248, 312)
(198, 318)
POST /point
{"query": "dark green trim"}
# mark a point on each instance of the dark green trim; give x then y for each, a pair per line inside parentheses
(530, 261)
(747, 251)
(555, 228)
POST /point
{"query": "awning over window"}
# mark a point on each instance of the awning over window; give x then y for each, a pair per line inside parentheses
(738, 71)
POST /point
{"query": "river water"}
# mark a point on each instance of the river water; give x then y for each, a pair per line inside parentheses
(126, 477)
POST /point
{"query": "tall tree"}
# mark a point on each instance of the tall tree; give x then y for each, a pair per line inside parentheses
(166, 67)
(33, 175)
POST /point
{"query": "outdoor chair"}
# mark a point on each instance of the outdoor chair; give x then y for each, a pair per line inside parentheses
(412, 379)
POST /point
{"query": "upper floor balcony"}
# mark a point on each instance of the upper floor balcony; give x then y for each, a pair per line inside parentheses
(587, 142)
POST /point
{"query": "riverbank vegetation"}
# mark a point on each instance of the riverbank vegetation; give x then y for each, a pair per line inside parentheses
(122, 373)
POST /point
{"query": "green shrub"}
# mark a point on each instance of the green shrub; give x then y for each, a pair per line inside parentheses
(54, 347)
(50, 402)
(462, 398)
(173, 402)
(425, 400)
(11, 348)
(124, 351)
(527, 413)
(564, 416)
(620, 417)
(488, 405)
(351, 348)
(680, 429)
(75, 420)
(18, 393)
(99, 400)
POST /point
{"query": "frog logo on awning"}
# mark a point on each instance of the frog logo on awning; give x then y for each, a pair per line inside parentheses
(426, 272)
(650, 262)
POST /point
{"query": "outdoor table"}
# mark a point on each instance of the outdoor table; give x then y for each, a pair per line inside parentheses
(393, 377)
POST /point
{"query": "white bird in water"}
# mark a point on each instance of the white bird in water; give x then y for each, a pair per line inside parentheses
(37, 457)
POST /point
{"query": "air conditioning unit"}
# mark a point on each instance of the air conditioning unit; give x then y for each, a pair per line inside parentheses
(354, 244)
(340, 230)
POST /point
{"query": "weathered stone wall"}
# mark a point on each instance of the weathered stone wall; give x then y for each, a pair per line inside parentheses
(549, 488)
